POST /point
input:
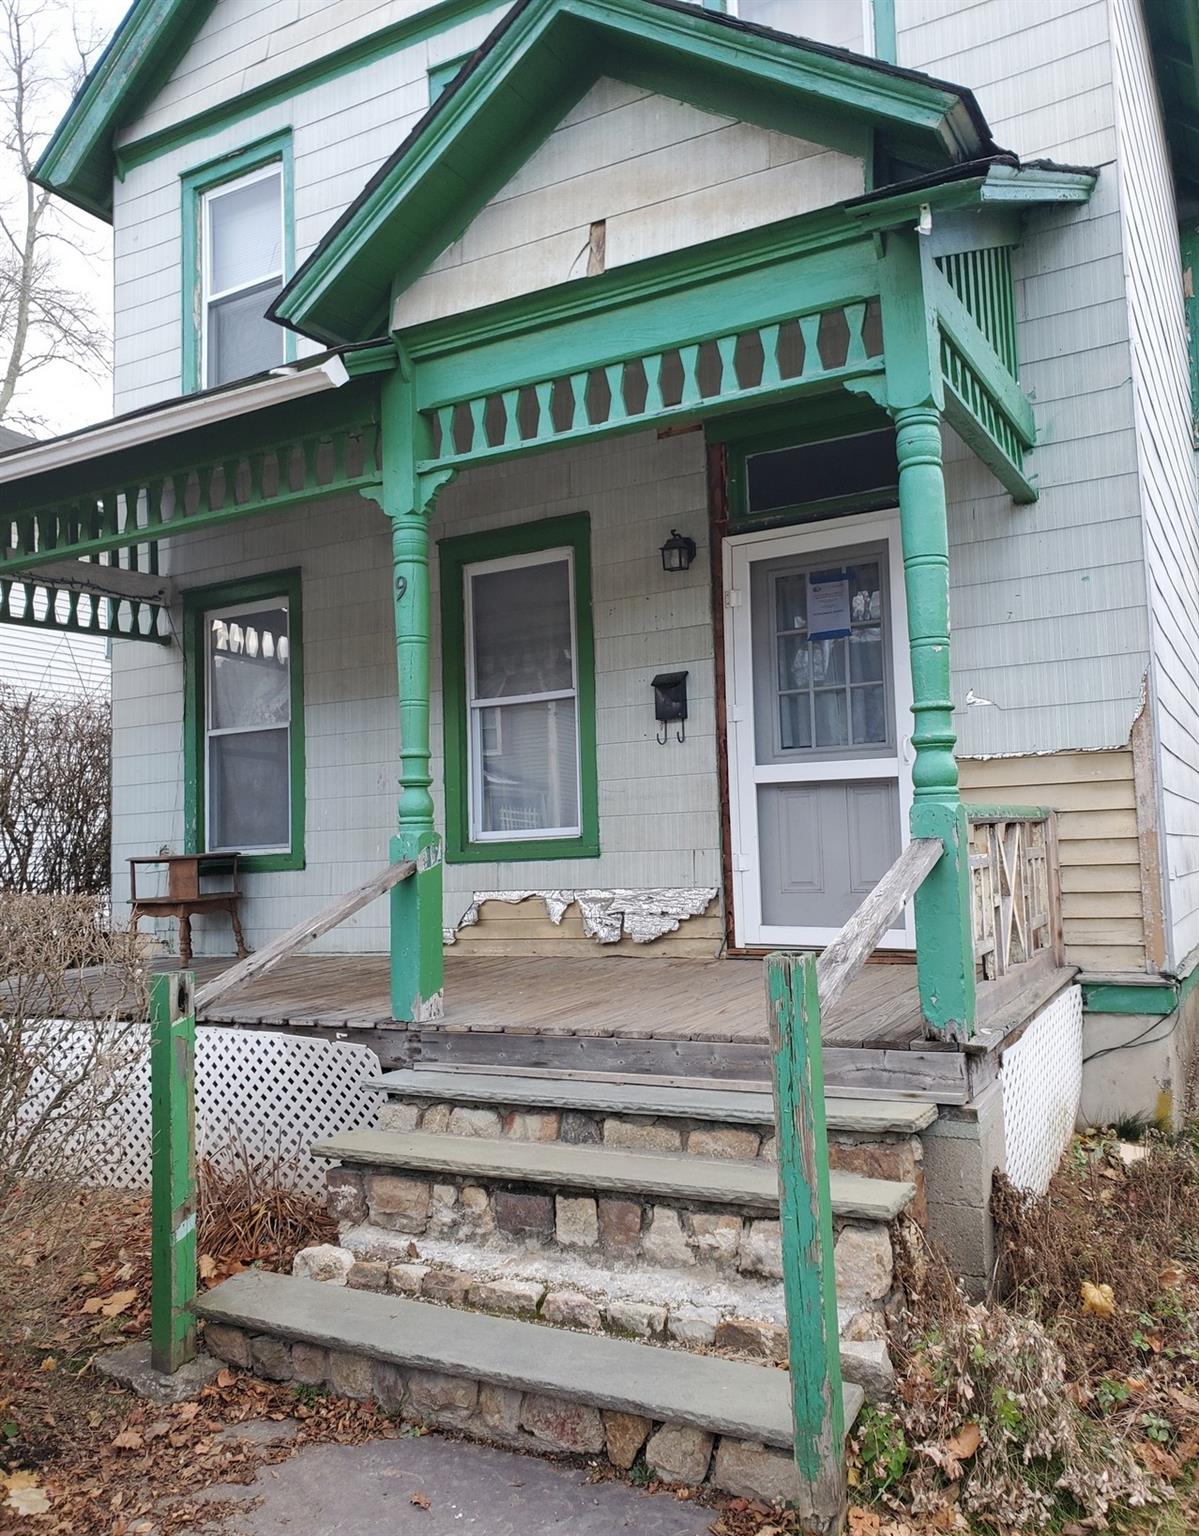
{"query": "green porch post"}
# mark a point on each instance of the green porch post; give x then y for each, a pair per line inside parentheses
(944, 931)
(417, 980)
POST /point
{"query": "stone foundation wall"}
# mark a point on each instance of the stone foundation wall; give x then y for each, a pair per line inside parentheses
(529, 1421)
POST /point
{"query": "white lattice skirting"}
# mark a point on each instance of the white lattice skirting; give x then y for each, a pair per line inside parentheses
(1041, 1077)
(269, 1095)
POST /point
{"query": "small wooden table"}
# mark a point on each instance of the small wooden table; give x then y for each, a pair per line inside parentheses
(184, 898)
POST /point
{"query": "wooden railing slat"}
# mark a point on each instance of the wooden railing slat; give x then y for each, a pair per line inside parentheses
(849, 951)
(265, 959)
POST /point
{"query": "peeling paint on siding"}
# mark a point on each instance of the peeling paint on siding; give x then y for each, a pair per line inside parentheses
(608, 916)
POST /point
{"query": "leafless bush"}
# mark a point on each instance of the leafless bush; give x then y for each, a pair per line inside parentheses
(55, 788)
(66, 1058)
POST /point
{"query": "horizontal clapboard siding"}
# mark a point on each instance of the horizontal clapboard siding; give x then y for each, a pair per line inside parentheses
(1168, 489)
(1095, 798)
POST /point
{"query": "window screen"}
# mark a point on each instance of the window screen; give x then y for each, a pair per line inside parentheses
(242, 273)
(247, 734)
(523, 745)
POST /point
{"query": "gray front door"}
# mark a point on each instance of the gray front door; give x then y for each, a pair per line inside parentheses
(820, 717)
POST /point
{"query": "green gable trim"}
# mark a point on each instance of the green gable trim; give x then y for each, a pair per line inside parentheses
(195, 603)
(536, 65)
(150, 41)
(440, 75)
(193, 185)
(323, 70)
(573, 532)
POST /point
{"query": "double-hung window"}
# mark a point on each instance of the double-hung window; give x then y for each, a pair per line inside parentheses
(520, 744)
(245, 705)
(242, 271)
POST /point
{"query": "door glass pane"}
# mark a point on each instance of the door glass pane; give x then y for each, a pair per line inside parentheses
(529, 756)
(869, 714)
(866, 654)
(522, 630)
(795, 670)
(791, 602)
(249, 666)
(795, 720)
(246, 230)
(832, 719)
(241, 340)
(248, 790)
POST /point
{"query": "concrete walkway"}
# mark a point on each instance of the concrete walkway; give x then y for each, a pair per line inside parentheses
(367, 1490)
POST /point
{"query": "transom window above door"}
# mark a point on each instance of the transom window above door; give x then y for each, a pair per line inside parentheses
(242, 271)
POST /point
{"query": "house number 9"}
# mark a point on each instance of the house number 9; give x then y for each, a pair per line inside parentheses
(401, 586)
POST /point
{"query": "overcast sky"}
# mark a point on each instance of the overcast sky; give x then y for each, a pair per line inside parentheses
(62, 396)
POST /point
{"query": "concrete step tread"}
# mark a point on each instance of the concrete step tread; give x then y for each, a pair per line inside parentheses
(734, 1107)
(728, 1397)
(712, 1181)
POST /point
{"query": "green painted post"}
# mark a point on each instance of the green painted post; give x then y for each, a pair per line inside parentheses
(806, 1214)
(172, 1172)
(417, 972)
(944, 931)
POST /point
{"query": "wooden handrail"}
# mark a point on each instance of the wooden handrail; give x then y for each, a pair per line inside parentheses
(303, 933)
(849, 951)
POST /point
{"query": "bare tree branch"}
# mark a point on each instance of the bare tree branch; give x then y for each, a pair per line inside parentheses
(42, 318)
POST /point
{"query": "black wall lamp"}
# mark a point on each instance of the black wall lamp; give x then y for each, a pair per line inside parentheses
(678, 552)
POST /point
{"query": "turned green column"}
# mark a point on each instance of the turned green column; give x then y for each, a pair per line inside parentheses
(944, 932)
(417, 978)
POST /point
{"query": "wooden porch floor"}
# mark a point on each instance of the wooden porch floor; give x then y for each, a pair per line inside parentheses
(718, 1001)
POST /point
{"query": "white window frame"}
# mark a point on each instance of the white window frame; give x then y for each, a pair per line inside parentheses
(226, 613)
(733, 8)
(210, 296)
(476, 706)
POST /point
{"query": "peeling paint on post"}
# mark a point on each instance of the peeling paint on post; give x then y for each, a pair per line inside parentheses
(806, 1213)
(172, 1172)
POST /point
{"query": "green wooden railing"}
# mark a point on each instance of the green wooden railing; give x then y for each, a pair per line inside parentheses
(715, 371)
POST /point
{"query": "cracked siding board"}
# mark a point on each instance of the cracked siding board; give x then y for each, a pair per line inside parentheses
(526, 929)
(1094, 794)
(1168, 488)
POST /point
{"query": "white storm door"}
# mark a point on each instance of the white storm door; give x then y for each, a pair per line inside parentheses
(819, 704)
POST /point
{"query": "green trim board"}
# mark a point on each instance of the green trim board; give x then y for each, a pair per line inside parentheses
(573, 532)
(194, 183)
(196, 602)
(441, 75)
(1174, 35)
(1155, 995)
(885, 42)
(539, 61)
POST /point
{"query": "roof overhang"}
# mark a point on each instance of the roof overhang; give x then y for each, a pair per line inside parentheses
(536, 64)
(77, 163)
(1174, 32)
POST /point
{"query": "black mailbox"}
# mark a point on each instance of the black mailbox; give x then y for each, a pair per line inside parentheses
(670, 702)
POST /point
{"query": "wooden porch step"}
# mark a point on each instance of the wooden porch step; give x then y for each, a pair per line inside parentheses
(726, 1103)
(738, 1399)
(749, 1187)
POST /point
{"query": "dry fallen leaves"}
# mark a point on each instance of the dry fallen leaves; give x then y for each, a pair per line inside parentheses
(1099, 1300)
(421, 1500)
(964, 1444)
(23, 1495)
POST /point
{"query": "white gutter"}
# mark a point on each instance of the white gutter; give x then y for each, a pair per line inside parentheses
(281, 387)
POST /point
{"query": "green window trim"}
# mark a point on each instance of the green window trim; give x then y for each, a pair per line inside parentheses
(194, 183)
(196, 602)
(572, 532)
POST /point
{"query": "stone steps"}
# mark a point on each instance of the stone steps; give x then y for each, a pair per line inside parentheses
(750, 1187)
(739, 1317)
(699, 1100)
(694, 1418)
